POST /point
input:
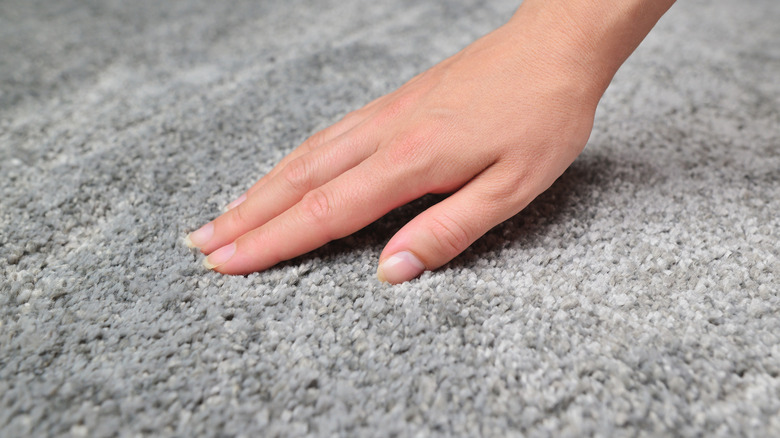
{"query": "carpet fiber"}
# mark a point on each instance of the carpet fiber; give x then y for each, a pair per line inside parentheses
(639, 295)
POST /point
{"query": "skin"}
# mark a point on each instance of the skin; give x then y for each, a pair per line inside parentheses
(495, 125)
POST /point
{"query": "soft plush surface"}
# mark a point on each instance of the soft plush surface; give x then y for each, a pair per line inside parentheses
(639, 295)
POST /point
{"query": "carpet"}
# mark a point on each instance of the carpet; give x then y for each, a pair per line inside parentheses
(639, 296)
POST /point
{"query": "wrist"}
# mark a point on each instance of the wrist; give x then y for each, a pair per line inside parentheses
(590, 39)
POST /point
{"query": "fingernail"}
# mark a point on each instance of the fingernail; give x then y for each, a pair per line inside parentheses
(200, 237)
(400, 267)
(236, 203)
(220, 256)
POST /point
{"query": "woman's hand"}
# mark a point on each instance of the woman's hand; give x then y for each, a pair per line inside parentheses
(494, 125)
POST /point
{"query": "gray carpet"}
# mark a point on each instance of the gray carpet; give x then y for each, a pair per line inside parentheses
(639, 296)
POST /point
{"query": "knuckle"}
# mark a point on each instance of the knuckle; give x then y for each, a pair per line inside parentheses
(296, 175)
(409, 147)
(511, 187)
(452, 237)
(411, 155)
(315, 140)
(400, 104)
(396, 107)
(316, 207)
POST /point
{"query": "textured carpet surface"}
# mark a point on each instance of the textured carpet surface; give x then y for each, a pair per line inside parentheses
(639, 295)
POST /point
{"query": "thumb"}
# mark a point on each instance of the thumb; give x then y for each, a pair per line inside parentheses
(446, 229)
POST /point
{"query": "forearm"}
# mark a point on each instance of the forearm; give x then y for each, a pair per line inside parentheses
(591, 37)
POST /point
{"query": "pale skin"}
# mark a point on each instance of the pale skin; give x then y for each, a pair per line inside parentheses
(494, 125)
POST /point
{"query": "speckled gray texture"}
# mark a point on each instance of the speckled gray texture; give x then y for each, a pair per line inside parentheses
(639, 296)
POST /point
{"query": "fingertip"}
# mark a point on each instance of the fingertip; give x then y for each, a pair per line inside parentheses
(400, 267)
(220, 256)
(200, 237)
(188, 242)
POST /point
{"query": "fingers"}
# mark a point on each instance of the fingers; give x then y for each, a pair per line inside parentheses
(285, 189)
(445, 230)
(334, 210)
(317, 140)
(342, 127)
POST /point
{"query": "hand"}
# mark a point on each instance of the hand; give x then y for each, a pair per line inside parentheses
(495, 125)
